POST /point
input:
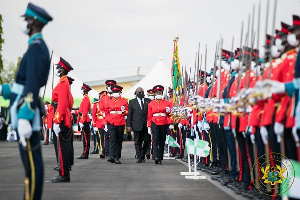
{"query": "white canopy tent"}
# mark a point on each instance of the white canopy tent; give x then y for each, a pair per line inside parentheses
(75, 87)
(159, 75)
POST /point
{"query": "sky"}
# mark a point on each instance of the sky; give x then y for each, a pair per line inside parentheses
(105, 39)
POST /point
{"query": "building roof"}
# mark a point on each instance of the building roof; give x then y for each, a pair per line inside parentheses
(119, 80)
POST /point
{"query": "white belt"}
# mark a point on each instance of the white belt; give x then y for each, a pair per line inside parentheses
(159, 114)
(115, 112)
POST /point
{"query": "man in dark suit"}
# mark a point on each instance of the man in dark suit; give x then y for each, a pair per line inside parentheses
(137, 122)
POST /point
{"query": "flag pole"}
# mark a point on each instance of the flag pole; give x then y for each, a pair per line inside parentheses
(168, 150)
(195, 173)
(189, 173)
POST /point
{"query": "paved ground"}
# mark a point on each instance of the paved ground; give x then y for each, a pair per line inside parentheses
(95, 178)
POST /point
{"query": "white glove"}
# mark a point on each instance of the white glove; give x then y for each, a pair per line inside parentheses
(278, 129)
(179, 125)
(222, 108)
(171, 126)
(206, 126)
(56, 129)
(296, 138)
(95, 129)
(103, 114)
(244, 135)
(199, 125)
(80, 125)
(73, 112)
(234, 133)
(249, 109)
(249, 91)
(259, 85)
(123, 108)
(276, 87)
(24, 130)
(264, 134)
(105, 128)
(168, 110)
(252, 137)
(149, 131)
(251, 101)
(250, 130)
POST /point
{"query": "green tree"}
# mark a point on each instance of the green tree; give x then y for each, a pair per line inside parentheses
(1, 42)
(8, 72)
(18, 63)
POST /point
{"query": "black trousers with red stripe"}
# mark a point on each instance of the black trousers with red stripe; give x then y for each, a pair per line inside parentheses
(63, 151)
(244, 164)
(86, 134)
(159, 133)
(116, 139)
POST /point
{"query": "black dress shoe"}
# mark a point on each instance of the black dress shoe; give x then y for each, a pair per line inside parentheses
(102, 156)
(227, 181)
(234, 184)
(214, 172)
(56, 168)
(111, 159)
(139, 161)
(215, 177)
(156, 160)
(117, 161)
(61, 179)
(46, 143)
(178, 157)
(238, 191)
(148, 156)
(83, 157)
(95, 152)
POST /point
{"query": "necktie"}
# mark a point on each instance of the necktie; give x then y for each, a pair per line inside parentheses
(142, 103)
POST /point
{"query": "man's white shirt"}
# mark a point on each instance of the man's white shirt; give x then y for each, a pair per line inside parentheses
(139, 100)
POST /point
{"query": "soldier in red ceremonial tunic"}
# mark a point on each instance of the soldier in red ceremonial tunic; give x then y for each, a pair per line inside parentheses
(45, 119)
(103, 103)
(98, 123)
(96, 136)
(61, 95)
(158, 112)
(117, 107)
(84, 121)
